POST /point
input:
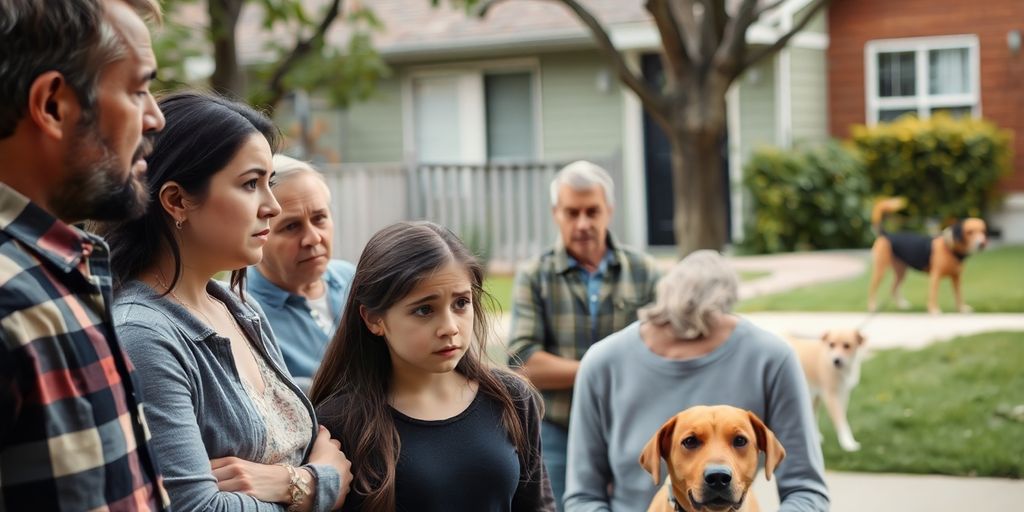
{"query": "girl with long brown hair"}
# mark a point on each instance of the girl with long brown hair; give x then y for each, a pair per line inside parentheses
(427, 423)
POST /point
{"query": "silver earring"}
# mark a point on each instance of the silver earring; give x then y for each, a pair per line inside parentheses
(177, 224)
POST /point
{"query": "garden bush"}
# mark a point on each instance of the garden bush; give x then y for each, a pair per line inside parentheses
(806, 199)
(947, 167)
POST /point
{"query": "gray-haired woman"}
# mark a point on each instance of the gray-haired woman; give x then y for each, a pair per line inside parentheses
(687, 349)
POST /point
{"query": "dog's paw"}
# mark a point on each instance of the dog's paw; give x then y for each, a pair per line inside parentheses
(849, 445)
(966, 309)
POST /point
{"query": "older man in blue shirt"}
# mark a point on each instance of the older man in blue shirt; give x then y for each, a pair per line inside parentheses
(301, 289)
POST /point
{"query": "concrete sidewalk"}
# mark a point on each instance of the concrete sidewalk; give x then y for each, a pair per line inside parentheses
(877, 492)
(889, 330)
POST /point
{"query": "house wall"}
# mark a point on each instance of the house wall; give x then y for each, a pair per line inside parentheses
(809, 95)
(757, 108)
(372, 129)
(581, 111)
(855, 22)
(581, 106)
(818, 24)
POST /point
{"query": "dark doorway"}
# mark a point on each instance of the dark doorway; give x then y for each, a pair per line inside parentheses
(658, 168)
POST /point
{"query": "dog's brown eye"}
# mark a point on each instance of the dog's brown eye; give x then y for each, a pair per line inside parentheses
(831, 345)
(739, 441)
(691, 442)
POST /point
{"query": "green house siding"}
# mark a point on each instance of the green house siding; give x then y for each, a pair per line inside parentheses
(372, 131)
(757, 108)
(578, 119)
(817, 24)
(809, 100)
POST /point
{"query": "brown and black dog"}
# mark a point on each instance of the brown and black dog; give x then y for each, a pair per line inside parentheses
(711, 453)
(940, 256)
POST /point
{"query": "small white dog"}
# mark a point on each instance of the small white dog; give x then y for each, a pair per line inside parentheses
(832, 368)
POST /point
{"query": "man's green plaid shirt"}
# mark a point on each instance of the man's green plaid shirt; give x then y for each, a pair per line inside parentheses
(550, 310)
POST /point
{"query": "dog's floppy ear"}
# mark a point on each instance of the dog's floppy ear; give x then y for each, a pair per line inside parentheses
(769, 444)
(954, 234)
(656, 448)
(860, 338)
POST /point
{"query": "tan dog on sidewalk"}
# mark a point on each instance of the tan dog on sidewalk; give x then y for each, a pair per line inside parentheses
(832, 368)
(711, 454)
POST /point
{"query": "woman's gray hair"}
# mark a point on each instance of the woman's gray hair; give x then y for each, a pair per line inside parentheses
(286, 168)
(696, 288)
(583, 175)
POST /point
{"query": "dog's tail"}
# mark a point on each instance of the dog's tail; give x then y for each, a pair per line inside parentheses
(884, 205)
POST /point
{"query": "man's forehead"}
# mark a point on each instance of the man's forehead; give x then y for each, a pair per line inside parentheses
(298, 194)
(581, 198)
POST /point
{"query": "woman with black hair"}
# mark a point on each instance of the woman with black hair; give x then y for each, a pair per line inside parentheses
(230, 428)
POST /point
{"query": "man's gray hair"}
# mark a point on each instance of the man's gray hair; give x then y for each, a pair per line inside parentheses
(696, 288)
(286, 168)
(583, 175)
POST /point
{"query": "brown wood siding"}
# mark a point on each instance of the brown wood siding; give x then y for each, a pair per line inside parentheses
(852, 23)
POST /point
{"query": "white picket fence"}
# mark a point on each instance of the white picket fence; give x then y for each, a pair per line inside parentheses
(501, 210)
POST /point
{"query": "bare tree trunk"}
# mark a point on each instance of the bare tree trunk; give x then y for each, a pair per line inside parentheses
(699, 188)
(227, 76)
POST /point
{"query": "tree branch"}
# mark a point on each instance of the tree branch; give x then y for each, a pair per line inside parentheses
(734, 40)
(782, 41)
(680, 51)
(301, 49)
(768, 7)
(652, 100)
(712, 28)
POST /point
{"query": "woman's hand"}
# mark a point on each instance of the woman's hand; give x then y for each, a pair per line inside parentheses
(328, 451)
(265, 482)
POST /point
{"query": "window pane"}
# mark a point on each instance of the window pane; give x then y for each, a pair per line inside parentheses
(509, 98)
(885, 116)
(948, 71)
(896, 74)
(955, 112)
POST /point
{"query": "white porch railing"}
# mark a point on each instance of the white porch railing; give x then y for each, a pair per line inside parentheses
(500, 210)
(365, 197)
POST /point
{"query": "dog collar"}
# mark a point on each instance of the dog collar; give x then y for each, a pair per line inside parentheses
(676, 507)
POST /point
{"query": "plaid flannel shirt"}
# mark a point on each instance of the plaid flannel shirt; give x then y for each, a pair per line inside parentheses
(551, 312)
(72, 432)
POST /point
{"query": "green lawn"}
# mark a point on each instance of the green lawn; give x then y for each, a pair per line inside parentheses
(945, 409)
(500, 288)
(993, 281)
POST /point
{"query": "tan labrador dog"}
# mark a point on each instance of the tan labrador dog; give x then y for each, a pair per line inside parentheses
(711, 453)
(832, 369)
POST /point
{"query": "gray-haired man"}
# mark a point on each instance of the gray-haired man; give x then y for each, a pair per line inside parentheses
(581, 290)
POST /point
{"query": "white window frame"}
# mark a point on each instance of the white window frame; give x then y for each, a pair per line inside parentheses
(922, 101)
(472, 98)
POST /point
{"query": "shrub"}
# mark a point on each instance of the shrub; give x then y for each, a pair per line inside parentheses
(806, 199)
(947, 167)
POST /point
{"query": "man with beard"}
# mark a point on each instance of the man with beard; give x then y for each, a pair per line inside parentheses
(583, 289)
(74, 106)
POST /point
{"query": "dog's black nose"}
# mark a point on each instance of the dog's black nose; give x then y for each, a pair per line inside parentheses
(717, 477)
(837, 362)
